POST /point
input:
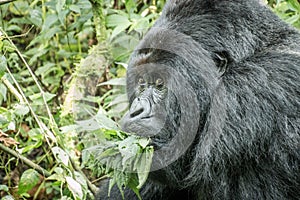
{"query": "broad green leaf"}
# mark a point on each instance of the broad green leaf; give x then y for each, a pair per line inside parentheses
(3, 91)
(75, 8)
(128, 149)
(36, 17)
(8, 197)
(143, 142)
(130, 6)
(144, 166)
(115, 81)
(60, 4)
(119, 29)
(132, 184)
(56, 177)
(14, 28)
(117, 20)
(41, 71)
(74, 187)
(4, 188)
(97, 122)
(38, 100)
(28, 180)
(7, 46)
(21, 109)
(294, 5)
(3, 65)
(112, 182)
(293, 19)
(49, 21)
(37, 55)
(19, 8)
(61, 155)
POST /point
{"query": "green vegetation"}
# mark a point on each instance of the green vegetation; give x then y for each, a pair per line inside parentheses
(62, 92)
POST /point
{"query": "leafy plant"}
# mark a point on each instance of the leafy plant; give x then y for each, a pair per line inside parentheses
(123, 157)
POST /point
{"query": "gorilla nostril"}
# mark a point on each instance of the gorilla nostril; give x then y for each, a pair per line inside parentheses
(137, 112)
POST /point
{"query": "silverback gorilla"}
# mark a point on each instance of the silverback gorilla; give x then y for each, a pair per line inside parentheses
(215, 84)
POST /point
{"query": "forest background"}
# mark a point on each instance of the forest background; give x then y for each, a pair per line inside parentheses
(62, 87)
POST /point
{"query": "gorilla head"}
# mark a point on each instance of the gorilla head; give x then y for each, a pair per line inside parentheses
(215, 84)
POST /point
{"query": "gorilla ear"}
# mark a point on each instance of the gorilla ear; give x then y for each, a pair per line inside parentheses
(221, 59)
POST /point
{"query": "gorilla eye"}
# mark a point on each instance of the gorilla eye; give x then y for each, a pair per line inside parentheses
(142, 83)
(159, 83)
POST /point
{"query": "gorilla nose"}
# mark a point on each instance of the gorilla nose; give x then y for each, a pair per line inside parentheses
(140, 108)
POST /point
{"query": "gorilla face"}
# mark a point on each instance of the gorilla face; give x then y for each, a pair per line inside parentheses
(148, 112)
(169, 102)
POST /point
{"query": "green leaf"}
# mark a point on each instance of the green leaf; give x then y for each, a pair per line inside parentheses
(60, 5)
(74, 187)
(128, 149)
(143, 142)
(8, 197)
(130, 5)
(112, 182)
(3, 65)
(36, 17)
(14, 28)
(293, 19)
(115, 81)
(294, 5)
(117, 20)
(49, 21)
(144, 166)
(4, 188)
(132, 184)
(120, 28)
(61, 155)
(19, 8)
(75, 8)
(37, 55)
(38, 100)
(41, 71)
(21, 109)
(3, 91)
(7, 46)
(96, 122)
(29, 179)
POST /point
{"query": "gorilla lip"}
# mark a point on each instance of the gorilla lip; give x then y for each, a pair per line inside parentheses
(147, 117)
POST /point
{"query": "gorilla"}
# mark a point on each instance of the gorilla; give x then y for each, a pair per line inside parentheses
(215, 84)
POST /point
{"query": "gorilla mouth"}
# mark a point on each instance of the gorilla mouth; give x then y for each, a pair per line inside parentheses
(147, 117)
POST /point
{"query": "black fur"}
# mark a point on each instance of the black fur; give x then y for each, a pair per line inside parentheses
(243, 64)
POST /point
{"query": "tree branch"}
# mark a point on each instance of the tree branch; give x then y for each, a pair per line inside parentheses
(25, 160)
(5, 1)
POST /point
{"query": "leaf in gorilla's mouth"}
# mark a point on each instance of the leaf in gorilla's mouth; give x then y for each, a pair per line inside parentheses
(125, 158)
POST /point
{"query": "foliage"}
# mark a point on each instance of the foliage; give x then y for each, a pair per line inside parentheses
(126, 159)
(41, 46)
(288, 10)
(44, 46)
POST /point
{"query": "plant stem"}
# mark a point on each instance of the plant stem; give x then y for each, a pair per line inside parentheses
(25, 160)
(99, 20)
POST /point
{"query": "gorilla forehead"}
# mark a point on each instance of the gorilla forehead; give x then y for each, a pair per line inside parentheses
(165, 48)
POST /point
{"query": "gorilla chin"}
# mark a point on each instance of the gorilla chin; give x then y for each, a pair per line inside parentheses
(215, 84)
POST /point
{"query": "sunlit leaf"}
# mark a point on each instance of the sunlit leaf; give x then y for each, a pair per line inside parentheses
(74, 187)
(28, 180)
(61, 155)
